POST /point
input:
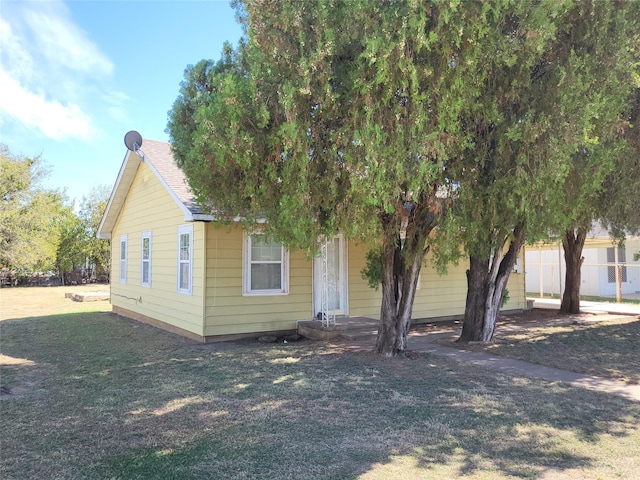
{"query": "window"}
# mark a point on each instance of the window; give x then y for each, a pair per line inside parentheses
(122, 277)
(145, 269)
(185, 258)
(265, 266)
(622, 259)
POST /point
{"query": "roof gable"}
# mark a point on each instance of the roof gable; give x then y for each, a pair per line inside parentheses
(158, 157)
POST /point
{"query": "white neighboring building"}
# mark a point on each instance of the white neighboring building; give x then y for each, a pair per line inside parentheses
(545, 267)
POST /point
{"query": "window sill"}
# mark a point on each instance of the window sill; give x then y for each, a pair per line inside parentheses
(264, 293)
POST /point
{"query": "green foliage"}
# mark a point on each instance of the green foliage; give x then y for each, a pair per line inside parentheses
(28, 212)
(70, 253)
(39, 229)
(78, 242)
(325, 123)
(373, 271)
(505, 298)
(322, 127)
(97, 251)
(617, 205)
(538, 132)
(606, 85)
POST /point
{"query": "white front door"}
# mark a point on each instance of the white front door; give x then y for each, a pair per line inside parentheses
(330, 278)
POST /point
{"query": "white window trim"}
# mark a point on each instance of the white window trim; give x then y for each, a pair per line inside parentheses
(145, 235)
(123, 263)
(246, 271)
(185, 229)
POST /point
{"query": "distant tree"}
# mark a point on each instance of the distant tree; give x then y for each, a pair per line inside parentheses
(98, 251)
(78, 244)
(28, 212)
(71, 249)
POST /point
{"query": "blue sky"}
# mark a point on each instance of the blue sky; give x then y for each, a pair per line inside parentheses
(75, 76)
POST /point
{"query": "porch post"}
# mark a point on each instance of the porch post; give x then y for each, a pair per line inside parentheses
(618, 275)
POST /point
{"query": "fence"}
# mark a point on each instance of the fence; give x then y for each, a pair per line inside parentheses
(78, 277)
(619, 281)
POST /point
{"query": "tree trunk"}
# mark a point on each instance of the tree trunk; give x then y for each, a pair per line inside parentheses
(401, 263)
(572, 244)
(398, 292)
(388, 330)
(475, 327)
(487, 279)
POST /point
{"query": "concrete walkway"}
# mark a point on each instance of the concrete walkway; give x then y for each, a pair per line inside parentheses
(420, 342)
(426, 342)
(589, 307)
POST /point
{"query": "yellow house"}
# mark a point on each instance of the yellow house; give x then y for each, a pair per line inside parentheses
(174, 267)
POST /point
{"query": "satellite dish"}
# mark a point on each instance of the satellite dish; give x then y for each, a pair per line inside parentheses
(133, 140)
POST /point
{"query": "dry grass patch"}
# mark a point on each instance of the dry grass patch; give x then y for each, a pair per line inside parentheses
(22, 302)
(602, 345)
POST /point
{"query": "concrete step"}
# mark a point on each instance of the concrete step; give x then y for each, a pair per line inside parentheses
(360, 333)
(348, 327)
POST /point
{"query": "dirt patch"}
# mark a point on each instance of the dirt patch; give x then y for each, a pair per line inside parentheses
(7, 360)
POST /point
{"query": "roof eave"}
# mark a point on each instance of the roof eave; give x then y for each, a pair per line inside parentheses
(199, 217)
(108, 221)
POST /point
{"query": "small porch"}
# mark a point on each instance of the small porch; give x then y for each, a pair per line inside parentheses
(340, 326)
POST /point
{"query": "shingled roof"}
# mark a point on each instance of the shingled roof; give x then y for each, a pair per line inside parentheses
(158, 156)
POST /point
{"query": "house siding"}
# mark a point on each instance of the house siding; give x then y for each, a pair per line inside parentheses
(228, 311)
(438, 296)
(149, 207)
(363, 300)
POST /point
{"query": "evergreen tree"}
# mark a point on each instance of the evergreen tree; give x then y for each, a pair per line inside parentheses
(543, 137)
(386, 119)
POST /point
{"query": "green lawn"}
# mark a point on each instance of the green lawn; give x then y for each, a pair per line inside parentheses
(96, 396)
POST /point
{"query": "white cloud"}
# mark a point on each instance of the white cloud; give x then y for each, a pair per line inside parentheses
(117, 102)
(49, 68)
(55, 120)
(62, 43)
(14, 53)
